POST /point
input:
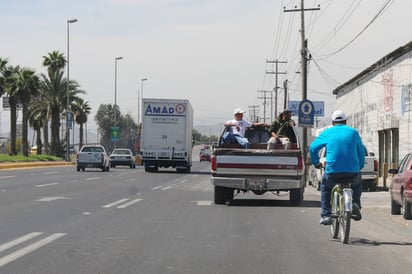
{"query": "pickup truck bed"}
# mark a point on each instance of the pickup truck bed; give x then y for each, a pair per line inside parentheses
(257, 169)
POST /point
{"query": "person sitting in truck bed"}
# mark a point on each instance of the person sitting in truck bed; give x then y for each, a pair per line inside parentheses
(282, 131)
(237, 129)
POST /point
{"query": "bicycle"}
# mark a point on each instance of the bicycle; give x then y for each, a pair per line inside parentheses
(341, 204)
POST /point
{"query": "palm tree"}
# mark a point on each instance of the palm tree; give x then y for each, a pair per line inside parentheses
(25, 85)
(54, 95)
(36, 121)
(3, 63)
(54, 62)
(81, 111)
(9, 74)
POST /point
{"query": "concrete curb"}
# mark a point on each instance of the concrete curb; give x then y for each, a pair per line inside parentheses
(33, 164)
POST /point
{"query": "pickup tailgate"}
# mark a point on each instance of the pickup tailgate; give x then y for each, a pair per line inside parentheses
(252, 163)
(90, 157)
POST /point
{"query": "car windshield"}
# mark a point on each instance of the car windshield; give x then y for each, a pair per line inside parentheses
(121, 151)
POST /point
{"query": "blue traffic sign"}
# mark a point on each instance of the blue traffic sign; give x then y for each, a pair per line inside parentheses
(306, 114)
(318, 105)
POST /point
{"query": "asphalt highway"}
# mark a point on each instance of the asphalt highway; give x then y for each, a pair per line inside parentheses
(57, 220)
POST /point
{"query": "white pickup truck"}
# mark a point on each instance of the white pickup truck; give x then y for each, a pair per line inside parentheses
(257, 169)
(92, 156)
(369, 172)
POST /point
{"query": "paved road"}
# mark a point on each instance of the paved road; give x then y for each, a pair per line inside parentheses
(57, 220)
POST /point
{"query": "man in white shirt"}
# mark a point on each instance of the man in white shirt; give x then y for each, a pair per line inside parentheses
(238, 128)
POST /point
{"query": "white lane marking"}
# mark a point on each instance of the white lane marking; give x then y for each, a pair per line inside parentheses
(86, 213)
(156, 187)
(19, 240)
(204, 203)
(51, 184)
(10, 176)
(93, 178)
(49, 199)
(166, 188)
(130, 203)
(115, 203)
(50, 172)
(26, 250)
(124, 173)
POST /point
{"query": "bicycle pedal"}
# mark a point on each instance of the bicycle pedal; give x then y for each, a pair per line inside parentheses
(334, 215)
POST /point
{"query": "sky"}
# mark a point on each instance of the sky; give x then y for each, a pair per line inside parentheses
(212, 52)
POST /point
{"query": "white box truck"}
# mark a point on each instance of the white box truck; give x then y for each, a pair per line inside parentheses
(166, 134)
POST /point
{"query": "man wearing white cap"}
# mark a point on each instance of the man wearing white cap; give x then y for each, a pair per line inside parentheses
(238, 128)
(345, 157)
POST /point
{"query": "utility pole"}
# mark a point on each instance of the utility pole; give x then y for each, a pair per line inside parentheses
(264, 102)
(276, 72)
(285, 89)
(254, 110)
(304, 56)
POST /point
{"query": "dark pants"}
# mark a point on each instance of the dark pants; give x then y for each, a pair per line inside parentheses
(329, 181)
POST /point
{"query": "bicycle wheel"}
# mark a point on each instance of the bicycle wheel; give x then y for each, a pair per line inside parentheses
(345, 227)
(334, 228)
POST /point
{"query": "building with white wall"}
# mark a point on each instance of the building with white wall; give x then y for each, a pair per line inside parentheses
(377, 103)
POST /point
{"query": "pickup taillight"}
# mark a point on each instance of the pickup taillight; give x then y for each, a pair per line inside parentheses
(375, 165)
(213, 162)
(300, 163)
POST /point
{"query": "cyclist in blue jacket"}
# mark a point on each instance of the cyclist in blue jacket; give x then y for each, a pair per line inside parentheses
(345, 157)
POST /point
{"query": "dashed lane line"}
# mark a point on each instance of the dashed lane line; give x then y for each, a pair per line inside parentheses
(28, 249)
(51, 184)
(130, 203)
(115, 203)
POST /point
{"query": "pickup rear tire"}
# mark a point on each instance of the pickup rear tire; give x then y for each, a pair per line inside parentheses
(223, 195)
(296, 196)
(372, 186)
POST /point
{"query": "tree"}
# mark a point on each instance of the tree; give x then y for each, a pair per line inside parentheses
(3, 63)
(54, 95)
(81, 111)
(36, 121)
(54, 62)
(105, 120)
(26, 85)
(9, 74)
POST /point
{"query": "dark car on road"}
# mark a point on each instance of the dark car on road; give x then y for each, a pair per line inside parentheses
(401, 188)
(122, 157)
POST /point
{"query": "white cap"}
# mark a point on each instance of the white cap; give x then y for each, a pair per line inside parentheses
(238, 110)
(338, 116)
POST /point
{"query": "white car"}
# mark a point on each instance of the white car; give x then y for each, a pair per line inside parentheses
(122, 157)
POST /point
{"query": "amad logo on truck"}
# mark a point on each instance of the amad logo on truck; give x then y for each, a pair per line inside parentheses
(158, 110)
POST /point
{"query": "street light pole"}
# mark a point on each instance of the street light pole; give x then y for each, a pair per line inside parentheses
(141, 90)
(115, 94)
(115, 87)
(68, 91)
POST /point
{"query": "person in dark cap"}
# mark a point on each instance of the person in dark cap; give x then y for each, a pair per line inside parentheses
(282, 128)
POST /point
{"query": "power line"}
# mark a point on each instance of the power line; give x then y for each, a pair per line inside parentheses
(380, 12)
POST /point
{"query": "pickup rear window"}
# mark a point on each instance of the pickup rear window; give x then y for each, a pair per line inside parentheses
(92, 149)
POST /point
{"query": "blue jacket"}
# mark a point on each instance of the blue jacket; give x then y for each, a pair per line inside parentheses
(344, 149)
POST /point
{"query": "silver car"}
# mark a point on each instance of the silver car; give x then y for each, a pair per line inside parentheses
(122, 157)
